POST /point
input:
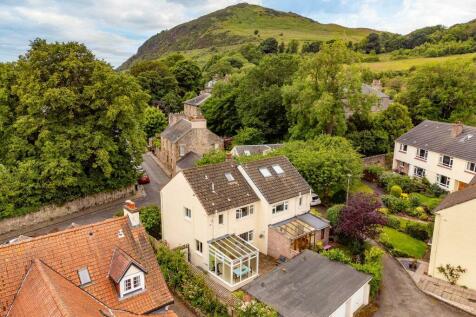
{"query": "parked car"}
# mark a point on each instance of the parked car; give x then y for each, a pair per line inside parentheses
(144, 179)
(315, 200)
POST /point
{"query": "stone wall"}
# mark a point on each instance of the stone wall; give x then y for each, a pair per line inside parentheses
(50, 212)
(379, 159)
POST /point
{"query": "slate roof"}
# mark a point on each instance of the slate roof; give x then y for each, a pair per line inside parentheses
(307, 285)
(199, 100)
(45, 293)
(436, 137)
(176, 131)
(188, 160)
(458, 197)
(91, 246)
(255, 149)
(215, 192)
(277, 188)
(369, 90)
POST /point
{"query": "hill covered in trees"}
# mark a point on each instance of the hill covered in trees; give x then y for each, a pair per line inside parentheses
(241, 24)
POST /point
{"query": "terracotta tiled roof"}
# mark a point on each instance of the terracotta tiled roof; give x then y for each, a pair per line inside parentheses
(90, 246)
(276, 188)
(436, 137)
(457, 198)
(213, 189)
(120, 263)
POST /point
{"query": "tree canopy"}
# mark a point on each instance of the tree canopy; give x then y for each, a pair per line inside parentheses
(74, 127)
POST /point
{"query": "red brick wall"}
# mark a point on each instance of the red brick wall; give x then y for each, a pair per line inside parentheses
(278, 245)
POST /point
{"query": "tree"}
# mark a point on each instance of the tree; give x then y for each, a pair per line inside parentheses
(311, 47)
(360, 219)
(212, 158)
(76, 128)
(259, 101)
(269, 46)
(154, 122)
(281, 47)
(150, 219)
(372, 43)
(293, 47)
(248, 136)
(443, 92)
(325, 163)
(327, 84)
(188, 76)
(394, 121)
(252, 53)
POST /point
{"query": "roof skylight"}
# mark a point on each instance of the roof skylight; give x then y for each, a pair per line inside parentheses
(265, 171)
(229, 177)
(278, 169)
(84, 277)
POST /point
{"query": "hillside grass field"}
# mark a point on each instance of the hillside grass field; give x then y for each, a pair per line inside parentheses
(385, 64)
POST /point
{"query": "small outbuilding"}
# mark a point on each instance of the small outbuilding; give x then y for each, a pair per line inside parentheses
(312, 285)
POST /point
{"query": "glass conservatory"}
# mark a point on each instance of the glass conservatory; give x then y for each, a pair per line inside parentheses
(232, 259)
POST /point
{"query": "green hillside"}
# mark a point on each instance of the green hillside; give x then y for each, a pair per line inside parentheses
(236, 25)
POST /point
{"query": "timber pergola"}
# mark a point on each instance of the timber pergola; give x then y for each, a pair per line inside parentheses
(295, 229)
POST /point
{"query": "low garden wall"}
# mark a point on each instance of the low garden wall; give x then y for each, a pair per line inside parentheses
(379, 159)
(50, 212)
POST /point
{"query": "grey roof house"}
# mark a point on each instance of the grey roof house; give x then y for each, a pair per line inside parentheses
(310, 285)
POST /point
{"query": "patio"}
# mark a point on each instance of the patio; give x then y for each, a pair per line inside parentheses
(233, 260)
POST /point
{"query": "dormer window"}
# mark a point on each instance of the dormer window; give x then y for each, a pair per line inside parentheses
(127, 273)
(132, 283)
(278, 169)
(83, 275)
(265, 171)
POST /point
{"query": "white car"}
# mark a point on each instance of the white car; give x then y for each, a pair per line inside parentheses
(315, 200)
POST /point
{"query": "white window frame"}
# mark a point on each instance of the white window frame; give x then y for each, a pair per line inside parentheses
(419, 175)
(133, 289)
(181, 150)
(239, 213)
(187, 213)
(198, 246)
(468, 167)
(439, 181)
(442, 159)
(285, 205)
(248, 236)
(84, 276)
(403, 148)
(229, 177)
(425, 157)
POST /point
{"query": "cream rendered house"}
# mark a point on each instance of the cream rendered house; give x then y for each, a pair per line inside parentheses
(444, 153)
(454, 236)
(226, 213)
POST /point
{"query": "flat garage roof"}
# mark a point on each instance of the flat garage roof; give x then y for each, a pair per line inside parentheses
(308, 285)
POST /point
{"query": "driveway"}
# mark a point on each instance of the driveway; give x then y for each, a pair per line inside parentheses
(401, 298)
(158, 179)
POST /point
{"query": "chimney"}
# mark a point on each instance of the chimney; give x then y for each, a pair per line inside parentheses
(199, 123)
(229, 156)
(456, 129)
(132, 212)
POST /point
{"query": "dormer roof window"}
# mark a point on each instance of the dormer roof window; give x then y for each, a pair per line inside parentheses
(265, 171)
(127, 273)
(83, 275)
(229, 177)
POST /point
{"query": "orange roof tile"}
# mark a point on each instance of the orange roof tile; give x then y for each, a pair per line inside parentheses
(90, 246)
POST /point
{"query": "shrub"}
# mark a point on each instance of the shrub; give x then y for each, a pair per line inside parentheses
(337, 255)
(192, 287)
(394, 222)
(396, 191)
(150, 218)
(451, 273)
(394, 204)
(417, 230)
(252, 308)
(372, 173)
(339, 197)
(414, 200)
(436, 190)
(333, 214)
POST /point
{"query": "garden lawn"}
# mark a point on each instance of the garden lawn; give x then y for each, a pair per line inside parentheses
(402, 244)
(362, 188)
(430, 202)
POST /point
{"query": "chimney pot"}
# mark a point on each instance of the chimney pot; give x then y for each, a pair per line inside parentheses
(456, 129)
(132, 212)
(229, 156)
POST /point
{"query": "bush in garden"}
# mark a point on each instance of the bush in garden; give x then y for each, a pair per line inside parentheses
(339, 197)
(396, 191)
(436, 190)
(150, 219)
(417, 230)
(414, 200)
(423, 217)
(333, 214)
(252, 308)
(394, 204)
(372, 173)
(394, 222)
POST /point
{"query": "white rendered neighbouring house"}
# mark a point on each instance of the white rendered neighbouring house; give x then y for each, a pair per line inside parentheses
(443, 153)
(229, 213)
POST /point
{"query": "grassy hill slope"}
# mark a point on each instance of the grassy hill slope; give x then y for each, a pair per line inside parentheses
(236, 25)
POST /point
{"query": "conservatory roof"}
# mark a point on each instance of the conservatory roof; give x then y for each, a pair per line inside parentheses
(233, 247)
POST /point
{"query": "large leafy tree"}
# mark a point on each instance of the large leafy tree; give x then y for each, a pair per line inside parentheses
(327, 84)
(154, 121)
(74, 127)
(188, 76)
(259, 101)
(394, 121)
(444, 92)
